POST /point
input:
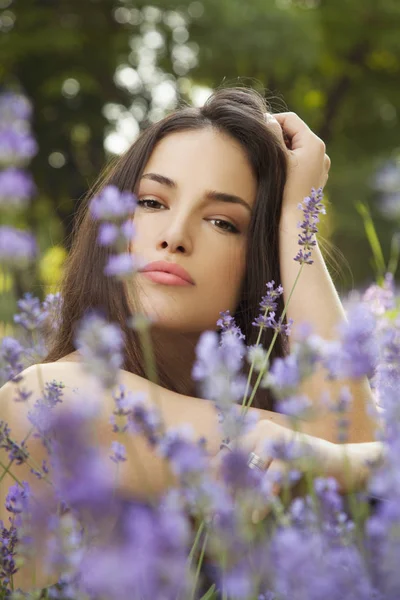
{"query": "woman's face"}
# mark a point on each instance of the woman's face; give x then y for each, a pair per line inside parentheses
(195, 200)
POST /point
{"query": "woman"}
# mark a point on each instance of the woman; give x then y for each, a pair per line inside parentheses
(217, 191)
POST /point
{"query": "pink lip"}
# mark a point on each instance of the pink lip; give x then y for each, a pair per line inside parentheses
(168, 273)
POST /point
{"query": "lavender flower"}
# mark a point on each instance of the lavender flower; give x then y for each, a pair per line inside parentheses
(269, 322)
(138, 416)
(17, 147)
(31, 315)
(269, 302)
(355, 354)
(16, 188)
(380, 298)
(115, 236)
(82, 478)
(228, 326)
(100, 345)
(14, 108)
(147, 560)
(52, 306)
(122, 266)
(17, 248)
(186, 457)
(268, 307)
(11, 352)
(119, 452)
(312, 207)
(111, 204)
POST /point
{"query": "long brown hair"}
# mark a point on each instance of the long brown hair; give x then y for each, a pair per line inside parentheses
(238, 112)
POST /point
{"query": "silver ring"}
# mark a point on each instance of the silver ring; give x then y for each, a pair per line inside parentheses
(256, 462)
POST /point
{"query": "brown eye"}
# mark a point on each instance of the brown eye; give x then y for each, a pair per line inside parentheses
(226, 226)
(144, 202)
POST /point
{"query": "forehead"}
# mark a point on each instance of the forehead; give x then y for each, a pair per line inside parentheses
(205, 159)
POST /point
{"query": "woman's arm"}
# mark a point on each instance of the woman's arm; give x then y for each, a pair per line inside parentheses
(315, 298)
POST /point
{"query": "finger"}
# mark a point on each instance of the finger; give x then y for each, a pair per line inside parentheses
(327, 163)
(276, 474)
(294, 127)
(275, 126)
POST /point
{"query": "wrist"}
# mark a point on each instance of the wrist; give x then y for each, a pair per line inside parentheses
(355, 463)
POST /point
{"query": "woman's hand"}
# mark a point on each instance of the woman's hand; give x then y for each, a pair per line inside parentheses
(308, 163)
(317, 456)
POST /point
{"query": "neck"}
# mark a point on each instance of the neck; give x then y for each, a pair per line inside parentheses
(175, 352)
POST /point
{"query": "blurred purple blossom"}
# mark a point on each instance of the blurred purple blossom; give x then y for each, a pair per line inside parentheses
(100, 345)
(31, 315)
(122, 266)
(356, 352)
(14, 107)
(139, 416)
(17, 147)
(186, 456)
(11, 353)
(118, 452)
(17, 248)
(112, 204)
(16, 188)
(381, 298)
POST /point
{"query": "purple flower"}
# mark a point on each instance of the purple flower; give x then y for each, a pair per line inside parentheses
(269, 322)
(139, 416)
(381, 298)
(14, 107)
(31, 315)
(122, 266)
(82, 478)
(237, 582)
(115, 236)
(147, 560)
(41, 414)
(297, 406)
(236, 473)
(100, 344)
(217, 366)
(17, 248)
(285, 375)
(355, 355)
(16, 188)
(9, 543)
(108, 234)
(11, 364)
(17, 147)
(228, 326)
(52, 306)
(312, 207)
(17, 500)
(186, 457)
(112, 204)
(269, 301)
(119, 452)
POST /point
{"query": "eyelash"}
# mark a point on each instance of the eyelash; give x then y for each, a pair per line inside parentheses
(232, 229)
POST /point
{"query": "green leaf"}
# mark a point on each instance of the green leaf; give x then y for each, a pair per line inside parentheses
(210, 594)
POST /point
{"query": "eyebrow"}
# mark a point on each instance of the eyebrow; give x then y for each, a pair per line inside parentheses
(210, 194)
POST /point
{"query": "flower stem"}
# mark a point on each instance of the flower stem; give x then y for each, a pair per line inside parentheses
(264, 367)
(199, 565)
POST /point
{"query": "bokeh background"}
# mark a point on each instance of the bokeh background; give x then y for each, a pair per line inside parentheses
(98, 71)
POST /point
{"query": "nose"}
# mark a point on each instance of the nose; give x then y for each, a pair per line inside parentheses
(176, 239)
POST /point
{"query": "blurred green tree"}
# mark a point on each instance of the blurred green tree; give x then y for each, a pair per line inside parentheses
(97, 69)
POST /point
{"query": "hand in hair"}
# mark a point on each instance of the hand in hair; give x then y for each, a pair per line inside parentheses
(308, 163)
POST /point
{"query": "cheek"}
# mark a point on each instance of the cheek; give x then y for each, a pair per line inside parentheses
(228, 272)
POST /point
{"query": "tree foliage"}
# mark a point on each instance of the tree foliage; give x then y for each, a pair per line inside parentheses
(336, 64)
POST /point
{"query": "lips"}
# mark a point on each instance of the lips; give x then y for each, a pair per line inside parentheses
(167, 267)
